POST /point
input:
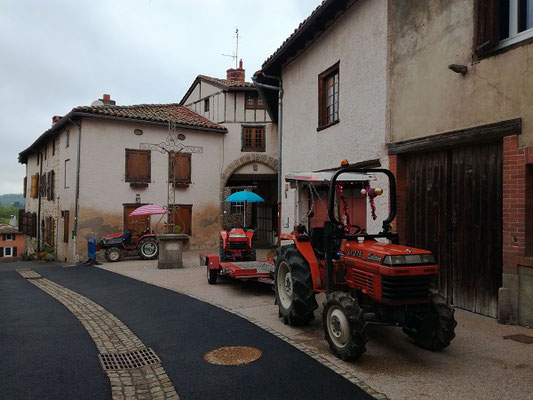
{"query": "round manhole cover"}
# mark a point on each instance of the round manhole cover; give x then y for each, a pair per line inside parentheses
(233, 355)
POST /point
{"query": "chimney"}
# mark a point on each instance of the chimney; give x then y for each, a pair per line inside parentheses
(13, 221)
(106, 99)
(56, 118)
(236, 74)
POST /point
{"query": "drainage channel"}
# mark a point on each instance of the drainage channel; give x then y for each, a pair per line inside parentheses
(134, 370)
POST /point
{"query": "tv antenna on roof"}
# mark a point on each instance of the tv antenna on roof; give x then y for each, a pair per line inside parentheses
(235, 55)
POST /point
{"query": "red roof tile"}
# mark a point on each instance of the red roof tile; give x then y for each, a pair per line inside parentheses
(153, 113)
(225, 82)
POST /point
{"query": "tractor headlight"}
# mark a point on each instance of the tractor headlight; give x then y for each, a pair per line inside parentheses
(410, 259)
(237, 236)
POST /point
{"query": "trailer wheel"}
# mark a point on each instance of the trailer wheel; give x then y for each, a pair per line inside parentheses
(113, 254)
(436, 329)
(344, 326)
(294, 287)
(251, 256)
(212, 275)
(149, 248)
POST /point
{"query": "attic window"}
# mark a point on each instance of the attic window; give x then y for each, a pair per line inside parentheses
(206, 105)
(253, 101)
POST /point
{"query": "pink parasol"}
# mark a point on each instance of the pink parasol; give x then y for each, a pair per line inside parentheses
(149, 209)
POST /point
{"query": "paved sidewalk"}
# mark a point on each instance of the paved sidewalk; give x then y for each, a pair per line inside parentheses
(479, 364)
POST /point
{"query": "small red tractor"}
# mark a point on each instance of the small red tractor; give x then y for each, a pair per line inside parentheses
(236, 245)
(367, 279)
(120, 245)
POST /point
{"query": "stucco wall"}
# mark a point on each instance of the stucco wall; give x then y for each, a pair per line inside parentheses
(103, 189)
(428, 98)
(358, 39)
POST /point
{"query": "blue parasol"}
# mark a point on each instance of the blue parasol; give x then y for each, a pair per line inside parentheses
(244, 196)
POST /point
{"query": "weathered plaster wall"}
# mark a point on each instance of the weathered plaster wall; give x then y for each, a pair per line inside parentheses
(358, 39)
(427, 97)
(103, 189)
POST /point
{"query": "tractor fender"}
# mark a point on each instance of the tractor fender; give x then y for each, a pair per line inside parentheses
(306, 250)
(210, 260)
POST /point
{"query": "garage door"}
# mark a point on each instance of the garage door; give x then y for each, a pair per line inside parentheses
(455, 210)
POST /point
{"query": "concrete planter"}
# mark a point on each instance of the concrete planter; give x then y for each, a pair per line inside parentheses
(170, 250)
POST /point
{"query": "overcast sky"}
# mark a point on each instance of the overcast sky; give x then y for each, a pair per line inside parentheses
(59, 54)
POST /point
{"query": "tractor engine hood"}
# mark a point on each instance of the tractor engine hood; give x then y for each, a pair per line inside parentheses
(391, 255)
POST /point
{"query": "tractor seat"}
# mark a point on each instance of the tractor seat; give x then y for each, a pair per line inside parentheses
(316, 236)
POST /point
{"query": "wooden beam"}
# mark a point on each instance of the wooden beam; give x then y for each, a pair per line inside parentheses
(476, 134)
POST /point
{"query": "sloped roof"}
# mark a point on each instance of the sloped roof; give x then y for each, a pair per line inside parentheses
(153, 113)
(150, 113)
(224, 84)
(6, 228)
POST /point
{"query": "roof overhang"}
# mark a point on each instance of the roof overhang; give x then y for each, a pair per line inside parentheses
(325, 177)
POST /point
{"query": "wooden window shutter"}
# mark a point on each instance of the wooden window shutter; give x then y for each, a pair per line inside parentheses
(66, 228)
(21, 220)
(33, 225)
(34, 186)
(487, 25)
(14, 251)
(1, 251)
(52, 185)
(138, 166)
(182, 215)
(182, 168)
(25, 185)
(42, 185)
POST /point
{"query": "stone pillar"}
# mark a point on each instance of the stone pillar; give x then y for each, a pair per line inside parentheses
(170, 250)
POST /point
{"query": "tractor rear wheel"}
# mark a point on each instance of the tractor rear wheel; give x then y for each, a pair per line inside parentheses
(149, 248)
(344, 326)
(436, 329)
(295, 296)
(113, 254)
(212, 275)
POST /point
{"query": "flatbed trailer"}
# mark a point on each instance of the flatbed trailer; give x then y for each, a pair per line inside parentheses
(261, 271)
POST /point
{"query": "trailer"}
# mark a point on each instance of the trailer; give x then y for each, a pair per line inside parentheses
(260, 271)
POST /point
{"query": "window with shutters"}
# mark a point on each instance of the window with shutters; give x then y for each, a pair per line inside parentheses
(9, 237)
(138, 166)
(66, 225)
(50, 178)
(328, 97)
(502, 23)
(28, 223)
(182, 217)
(42, 185)
(8, 252)
(49, 231)
(253, 138)
(182, 168)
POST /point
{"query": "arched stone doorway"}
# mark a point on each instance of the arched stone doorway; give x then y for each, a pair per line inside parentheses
(258, 173)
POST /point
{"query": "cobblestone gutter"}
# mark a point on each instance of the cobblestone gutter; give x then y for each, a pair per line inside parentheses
(111, 336)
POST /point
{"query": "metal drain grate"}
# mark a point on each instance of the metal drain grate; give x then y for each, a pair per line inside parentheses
(132, 360)
(520, 338)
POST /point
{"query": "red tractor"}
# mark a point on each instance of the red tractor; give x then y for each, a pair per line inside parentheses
(365, 280)
(120, 245)
(236, 245)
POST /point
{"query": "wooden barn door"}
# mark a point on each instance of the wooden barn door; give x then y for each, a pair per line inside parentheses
(455, 210)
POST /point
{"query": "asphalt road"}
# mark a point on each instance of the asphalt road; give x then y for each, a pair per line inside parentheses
(48, 354)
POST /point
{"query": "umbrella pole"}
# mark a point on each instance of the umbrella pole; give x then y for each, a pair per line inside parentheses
(245, 204)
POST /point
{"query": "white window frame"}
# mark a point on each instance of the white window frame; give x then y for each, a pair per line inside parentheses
(9, 237)
(10, 251)
(514, 35)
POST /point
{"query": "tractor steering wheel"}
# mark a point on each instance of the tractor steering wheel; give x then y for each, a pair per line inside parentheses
(359, 230)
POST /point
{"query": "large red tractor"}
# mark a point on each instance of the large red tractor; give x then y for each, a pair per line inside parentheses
(367, 278)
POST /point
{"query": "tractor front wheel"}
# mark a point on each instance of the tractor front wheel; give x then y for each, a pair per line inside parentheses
(149, 248)
(212, 275)
(251, 256)
(222, 251)
(344, 326)
(113, 254)
(435, 330)
(295, 296)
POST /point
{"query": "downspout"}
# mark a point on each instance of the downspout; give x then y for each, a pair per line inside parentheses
(279, 89)
(77, 195)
